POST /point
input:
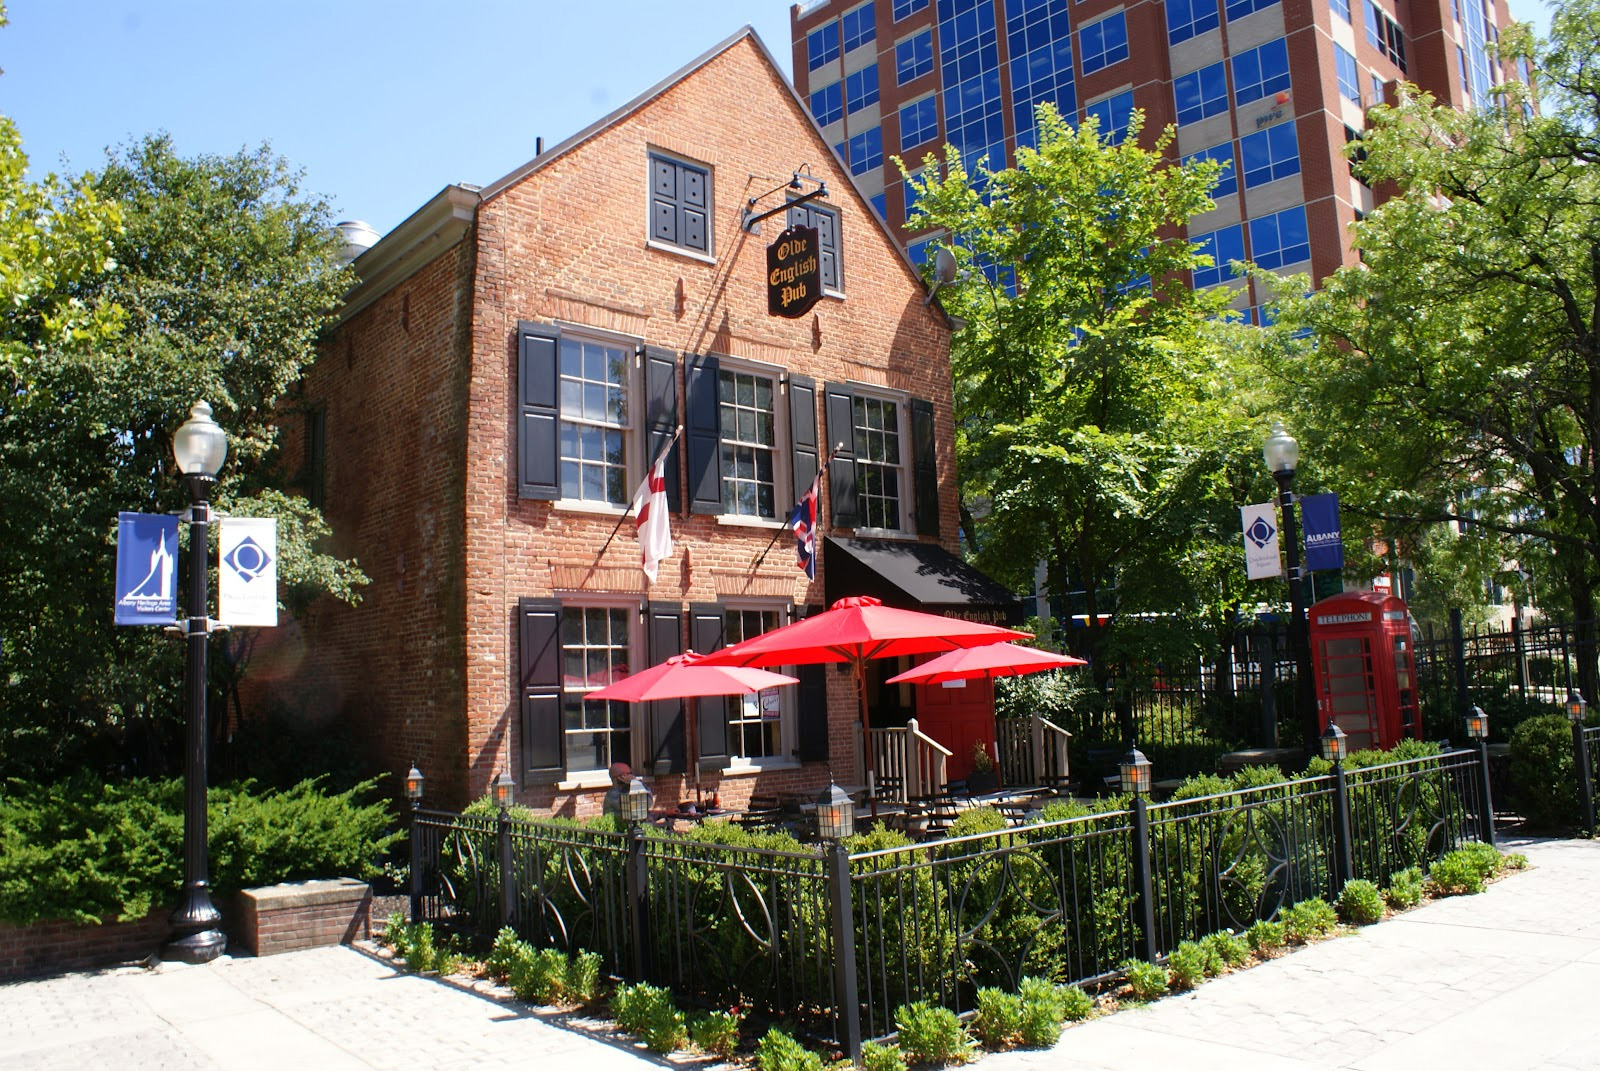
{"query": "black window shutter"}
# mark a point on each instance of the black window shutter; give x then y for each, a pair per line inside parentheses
(925, 478)
(539, 689)
(803, 454)
(811, 708)
(826, 221)
(842, 470)
(703, 430)
(705, 636)
(666, 715)
(538, 464)
(661, 416)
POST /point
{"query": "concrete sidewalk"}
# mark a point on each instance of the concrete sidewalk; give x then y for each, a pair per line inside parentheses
(1504, 980)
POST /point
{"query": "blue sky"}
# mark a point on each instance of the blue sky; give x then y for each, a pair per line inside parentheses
(382, 104)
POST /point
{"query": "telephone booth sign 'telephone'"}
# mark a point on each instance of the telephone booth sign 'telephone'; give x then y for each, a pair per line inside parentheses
(1362, 652)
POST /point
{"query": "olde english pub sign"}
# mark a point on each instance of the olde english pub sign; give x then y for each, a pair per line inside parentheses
(794, 273)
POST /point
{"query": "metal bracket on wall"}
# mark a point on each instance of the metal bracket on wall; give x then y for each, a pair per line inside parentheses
(750, 220)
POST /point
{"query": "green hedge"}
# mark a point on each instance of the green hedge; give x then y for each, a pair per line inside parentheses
(86, 850)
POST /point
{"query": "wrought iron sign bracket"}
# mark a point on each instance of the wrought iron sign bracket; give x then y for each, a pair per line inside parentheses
(750, 219)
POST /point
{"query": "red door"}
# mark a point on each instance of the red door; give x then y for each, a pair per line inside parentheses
(958, 718)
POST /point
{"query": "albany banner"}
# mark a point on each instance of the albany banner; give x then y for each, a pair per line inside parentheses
(1260, 541)
(147, 569)
(1324, 547)
(247, 577)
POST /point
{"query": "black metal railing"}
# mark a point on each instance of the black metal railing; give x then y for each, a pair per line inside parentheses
(836, 941)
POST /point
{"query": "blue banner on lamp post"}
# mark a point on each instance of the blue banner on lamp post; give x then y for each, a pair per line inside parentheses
(1319, 516)
(147, 569)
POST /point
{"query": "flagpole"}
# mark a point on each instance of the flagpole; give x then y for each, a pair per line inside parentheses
(659, 456)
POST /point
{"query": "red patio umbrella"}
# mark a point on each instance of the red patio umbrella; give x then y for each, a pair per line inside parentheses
(854, 630)
(687, 676)
(985, 663)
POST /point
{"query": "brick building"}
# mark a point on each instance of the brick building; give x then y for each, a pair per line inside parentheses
(1277, 87)
(512, 359)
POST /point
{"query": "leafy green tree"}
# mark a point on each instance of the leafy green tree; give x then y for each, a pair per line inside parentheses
(130, 294)
(1098, 422)
(1454, 375)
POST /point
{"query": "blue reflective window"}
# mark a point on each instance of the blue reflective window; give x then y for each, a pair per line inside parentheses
(1269, 154)
(1040, 35)
(913, 57)
(1113, 113)
(1238, 9)
(969, 68)
(1190, 18)
(1280, 238)
(880, 205)
(1223, 247)
(903, 8)
(838, 150)
(919, 253)
(822, 45)
(1261, 71)
(861, 88)
(1228, 180)
(1201, 94)
(1349, 74)
(860, 26)
(1103, 43)
(911, 199)
(866, 151)
(827, 104)
(1340, 8)
(919, 122)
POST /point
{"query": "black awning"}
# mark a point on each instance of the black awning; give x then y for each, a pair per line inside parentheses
(915, 576)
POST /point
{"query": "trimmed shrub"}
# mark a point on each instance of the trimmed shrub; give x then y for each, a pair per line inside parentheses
(1044, 1007)
(1231, 950)
(648, 1011)
(395, 932)
(1075, 1003)
(538, 977)
(1464, 870)
(503, 955)
(630, 1004)
(998, 1020)
(716, 1032)
(583, 977)
(876, 1057)
(777, 1051)
(1360, 903)
(1147, 980)
(932, 1035)
(1310, 919)
(1187, 963)
(1405, 888)
(1265, 937)
(1542, 772)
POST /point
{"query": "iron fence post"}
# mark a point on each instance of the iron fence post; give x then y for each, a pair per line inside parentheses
(416, 863)
(1580, 761)
(1486, 805)
(1344, 865)
(847, 1005)
(508, 887)
(1458, 649)
(637, 879)
(1520, 646)
(1141, 867)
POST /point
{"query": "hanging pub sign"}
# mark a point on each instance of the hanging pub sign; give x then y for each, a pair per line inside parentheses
(794, 273)
(1324, 547)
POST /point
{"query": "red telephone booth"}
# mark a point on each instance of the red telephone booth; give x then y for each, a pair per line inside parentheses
(1365, 667)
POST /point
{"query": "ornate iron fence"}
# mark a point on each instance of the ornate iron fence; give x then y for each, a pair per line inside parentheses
(837, 940)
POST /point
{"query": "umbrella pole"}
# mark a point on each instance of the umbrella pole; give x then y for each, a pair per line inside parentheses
(692, 731)
(866, 737)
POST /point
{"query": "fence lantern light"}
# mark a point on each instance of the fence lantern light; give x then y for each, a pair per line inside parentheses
(1576, 707)
(1477, 724)
(636, 802)
(503, 788)
(1335, 744)
(836, 814)
(414, 783)
(1135, 771)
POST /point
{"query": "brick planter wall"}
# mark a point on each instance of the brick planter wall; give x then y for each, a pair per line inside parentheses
(62, 945)
(303, 914)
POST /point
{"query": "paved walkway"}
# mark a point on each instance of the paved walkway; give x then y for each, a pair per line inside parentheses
(1505, 980)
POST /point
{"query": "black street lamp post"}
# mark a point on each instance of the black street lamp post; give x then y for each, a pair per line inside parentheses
(1282, 455)
(200, 447)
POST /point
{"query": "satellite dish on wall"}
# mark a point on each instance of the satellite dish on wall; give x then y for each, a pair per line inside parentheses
(944, 271)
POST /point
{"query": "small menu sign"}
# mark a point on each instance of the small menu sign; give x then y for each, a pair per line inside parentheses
(794, 273)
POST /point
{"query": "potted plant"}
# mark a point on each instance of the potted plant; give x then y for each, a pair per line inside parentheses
(982, 778)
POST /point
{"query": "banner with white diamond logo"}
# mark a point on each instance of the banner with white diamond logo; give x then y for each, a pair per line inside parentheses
(1260, 541)
(247, 576)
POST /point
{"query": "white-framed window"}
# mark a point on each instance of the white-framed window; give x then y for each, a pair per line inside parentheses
(882, 488)
(597, 648)
(596, 384)
(760, 725)
(750, 462)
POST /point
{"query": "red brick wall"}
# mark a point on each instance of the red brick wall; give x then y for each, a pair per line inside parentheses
(62, 945)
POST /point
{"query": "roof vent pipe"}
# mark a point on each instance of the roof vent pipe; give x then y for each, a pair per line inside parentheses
(358, 238)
